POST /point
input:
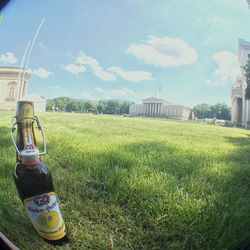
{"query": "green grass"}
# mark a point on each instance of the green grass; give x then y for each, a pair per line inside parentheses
(133, 183)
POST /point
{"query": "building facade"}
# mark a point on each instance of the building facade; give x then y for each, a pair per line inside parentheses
(9, 84)
(156, 107)
(9, 89)
(240, 106)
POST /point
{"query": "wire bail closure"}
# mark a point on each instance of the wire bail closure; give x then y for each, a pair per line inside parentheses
(15, 121)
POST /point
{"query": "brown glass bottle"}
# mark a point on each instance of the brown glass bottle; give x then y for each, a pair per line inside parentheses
(32, 182)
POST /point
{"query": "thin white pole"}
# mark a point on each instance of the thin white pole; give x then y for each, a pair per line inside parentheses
(20, 71)
(27, 61)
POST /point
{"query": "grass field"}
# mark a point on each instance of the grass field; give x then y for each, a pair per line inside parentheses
(133, 183)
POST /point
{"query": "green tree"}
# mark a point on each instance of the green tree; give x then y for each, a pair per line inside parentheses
(78, 105)
(72, 107)
(202, 111)
(247, 75)
(219, 110)
(101, 107)
(88, 106)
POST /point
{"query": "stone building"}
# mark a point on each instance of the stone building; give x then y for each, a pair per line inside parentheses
(156, 107)
(9, 89)
(240, 106)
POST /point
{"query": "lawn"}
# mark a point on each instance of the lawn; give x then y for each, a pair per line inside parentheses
(134, 183)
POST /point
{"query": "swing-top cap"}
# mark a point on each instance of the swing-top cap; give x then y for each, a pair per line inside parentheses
(30, 156)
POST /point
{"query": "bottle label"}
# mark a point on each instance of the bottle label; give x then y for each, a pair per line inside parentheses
(45, 215)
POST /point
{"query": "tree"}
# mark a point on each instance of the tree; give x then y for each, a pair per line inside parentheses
(219, 110)
(88, 106)
(247, 75)
(247, 90)
(101, 107)
(72, 106)
(78, 105)
(202, 111)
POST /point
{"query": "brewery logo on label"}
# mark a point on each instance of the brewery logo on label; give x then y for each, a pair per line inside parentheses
(42, 200)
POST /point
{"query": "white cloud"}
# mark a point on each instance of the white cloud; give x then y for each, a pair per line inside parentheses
(117, 92)
(133, 76)
(54, 87)
(8, 58)
(164, 52)
(74, 69)
(227, 69)
(217, 20)
(87, 95)
(94, 66)
(42, 46)
(41, 72)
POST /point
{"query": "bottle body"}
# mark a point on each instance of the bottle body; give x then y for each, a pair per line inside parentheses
(33, 180)
(36, 191)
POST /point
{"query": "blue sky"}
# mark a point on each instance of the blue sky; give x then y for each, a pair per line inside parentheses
(123, 49)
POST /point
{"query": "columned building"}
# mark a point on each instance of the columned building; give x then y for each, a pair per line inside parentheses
(156, 107)
(9, 89)
(9, 84)
(240, 106)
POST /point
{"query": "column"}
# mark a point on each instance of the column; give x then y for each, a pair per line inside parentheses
(234, 116)
(243, 109)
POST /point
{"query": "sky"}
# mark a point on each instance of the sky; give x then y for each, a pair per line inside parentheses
(184, 51)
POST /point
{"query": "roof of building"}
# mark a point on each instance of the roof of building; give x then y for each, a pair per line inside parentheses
(155, 99)
(13, 72)
(243, 44)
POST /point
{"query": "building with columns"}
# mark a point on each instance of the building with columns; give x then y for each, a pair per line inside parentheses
(9, 89)
(240, 106)
(156, 107)
(9, 84)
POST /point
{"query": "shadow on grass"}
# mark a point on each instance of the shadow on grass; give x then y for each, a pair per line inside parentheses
(153, 195)
(13, 221)
(5, 139)
(174, 198)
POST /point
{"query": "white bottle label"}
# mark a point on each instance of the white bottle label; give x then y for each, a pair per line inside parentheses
(45, 215)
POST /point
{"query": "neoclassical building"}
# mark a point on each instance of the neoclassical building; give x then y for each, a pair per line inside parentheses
(240, 107)
(9, 89)
(156, 107)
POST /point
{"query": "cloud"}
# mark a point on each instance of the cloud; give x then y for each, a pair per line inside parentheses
(41, 72)
(87, 95)
(92, 64)
(54, 87)
(117, 92)
(8, 58)
(42, 46)
(164, 52)
(227, 69)
(133, 76)
(74, 69)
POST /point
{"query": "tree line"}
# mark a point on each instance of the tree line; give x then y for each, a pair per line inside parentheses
(66, 104)
(120, 107)
(219, 111)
